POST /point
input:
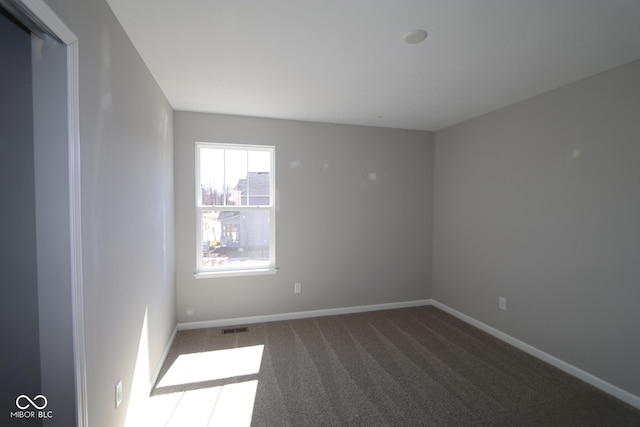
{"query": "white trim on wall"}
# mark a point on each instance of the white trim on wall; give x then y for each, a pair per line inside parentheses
(163, 358)
(299, 315)
(75, 219)
(48, 21)
(599, 383)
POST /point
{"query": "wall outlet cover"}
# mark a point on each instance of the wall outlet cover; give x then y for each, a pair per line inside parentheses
(119, 392)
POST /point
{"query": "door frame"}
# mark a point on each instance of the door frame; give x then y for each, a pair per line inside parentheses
(40, 19)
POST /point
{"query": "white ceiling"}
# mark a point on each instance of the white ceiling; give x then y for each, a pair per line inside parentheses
(345, 61)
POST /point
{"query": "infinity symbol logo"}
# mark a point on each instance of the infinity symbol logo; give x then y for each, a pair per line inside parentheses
(30, 402)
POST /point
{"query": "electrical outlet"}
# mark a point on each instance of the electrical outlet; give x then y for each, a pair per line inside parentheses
(502, 303)
(297, 287)
(119, 392)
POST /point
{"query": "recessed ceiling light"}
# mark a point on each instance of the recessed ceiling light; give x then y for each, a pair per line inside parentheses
(415, 36)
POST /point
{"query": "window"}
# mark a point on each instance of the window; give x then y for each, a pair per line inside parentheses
(235, 208)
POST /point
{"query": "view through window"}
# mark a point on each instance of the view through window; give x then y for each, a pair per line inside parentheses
(235, 204)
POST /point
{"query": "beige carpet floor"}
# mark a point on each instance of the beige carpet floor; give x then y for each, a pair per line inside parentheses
(407, 367)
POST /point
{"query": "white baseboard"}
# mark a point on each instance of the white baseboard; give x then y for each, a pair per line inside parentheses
(163, 358)
(299, 315)
(599, 383)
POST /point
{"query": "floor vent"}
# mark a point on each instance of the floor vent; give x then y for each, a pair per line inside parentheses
(234, 330)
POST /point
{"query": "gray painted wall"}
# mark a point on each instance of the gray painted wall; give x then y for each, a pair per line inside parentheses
(19, 331)
(350, 240)
(127, 212)
(539, 203)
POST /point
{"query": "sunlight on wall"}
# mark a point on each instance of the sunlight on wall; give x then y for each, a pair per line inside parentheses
(138, 394)
(215, 389)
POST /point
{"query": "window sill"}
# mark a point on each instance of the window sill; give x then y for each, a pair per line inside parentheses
(235, 273)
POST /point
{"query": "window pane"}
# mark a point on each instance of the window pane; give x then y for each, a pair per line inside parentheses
(258, 179)
(235, 162)
(212, 182)
(231, 177)
(235, 238)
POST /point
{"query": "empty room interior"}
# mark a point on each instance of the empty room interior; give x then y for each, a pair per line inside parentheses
(443, 196)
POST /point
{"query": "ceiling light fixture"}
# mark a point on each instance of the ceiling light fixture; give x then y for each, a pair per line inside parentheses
(415, 36)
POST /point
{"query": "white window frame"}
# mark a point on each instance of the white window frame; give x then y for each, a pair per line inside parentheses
(224, 271)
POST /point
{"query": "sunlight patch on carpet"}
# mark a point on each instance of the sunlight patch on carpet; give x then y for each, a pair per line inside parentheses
(228, 405)
(213, 365)
(227, 402)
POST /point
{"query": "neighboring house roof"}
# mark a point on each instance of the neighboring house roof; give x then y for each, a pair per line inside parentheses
(256, 182)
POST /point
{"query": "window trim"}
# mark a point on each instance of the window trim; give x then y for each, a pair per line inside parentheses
(235, 273)
(211, 272)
